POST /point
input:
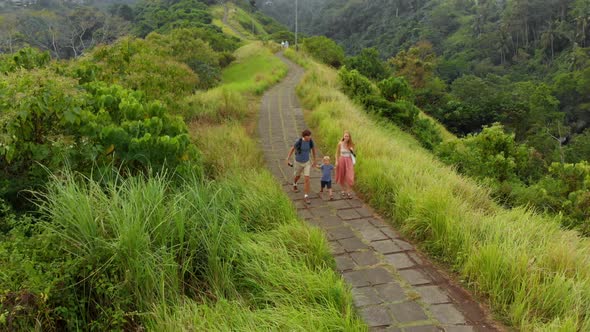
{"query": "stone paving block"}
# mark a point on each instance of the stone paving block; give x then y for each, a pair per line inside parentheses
(414, 277)
(376, 316)
(433, 274)
(316, 202)
(417, 258)
(390, 232)
(368, 277)
(399, 260)
(336, 248)
(347, 214)
(364, 296)
(432, 294)
(364, 212)
(300, 204)
(364, 258)
(339, 233)
(322, 212)
(331, 221)
(314, 222)
(403, 244)
(386, 247)
(353, 244)
(339, 204)
(304, 214)
(344, 263)
(406, 312)
(360, 224)
(423, 328)
(372, 234)
(390, 292)
(277, 173)
(379, 223)
(447, 314)
(355, 202)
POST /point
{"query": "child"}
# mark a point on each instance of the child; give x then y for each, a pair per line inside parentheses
(326, 180)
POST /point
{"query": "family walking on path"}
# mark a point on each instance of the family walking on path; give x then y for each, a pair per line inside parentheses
(394, 287)
(304, 148)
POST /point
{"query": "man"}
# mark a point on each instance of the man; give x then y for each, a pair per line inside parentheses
(302, 147)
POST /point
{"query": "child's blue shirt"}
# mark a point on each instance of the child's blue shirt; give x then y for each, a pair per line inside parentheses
(327, 172)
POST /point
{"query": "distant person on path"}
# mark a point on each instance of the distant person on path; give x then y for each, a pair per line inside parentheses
(286, 44)
(344, 166)
(326, 180)
(302, 148)
(282, 44)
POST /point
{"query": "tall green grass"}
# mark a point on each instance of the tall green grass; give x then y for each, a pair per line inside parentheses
(535, 275)
(215, 106)
(203, 249)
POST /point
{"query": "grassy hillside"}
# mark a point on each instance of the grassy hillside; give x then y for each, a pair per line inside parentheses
(535, 275)
(209, 242)
(244, 23)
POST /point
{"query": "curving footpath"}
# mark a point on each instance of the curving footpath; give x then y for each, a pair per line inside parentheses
(394, 287)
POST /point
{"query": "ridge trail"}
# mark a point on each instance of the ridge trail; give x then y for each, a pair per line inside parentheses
(394, 287)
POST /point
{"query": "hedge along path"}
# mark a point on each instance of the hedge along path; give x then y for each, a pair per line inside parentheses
(394, 287)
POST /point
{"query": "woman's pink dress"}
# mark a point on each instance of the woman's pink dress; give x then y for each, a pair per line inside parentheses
(345, 171)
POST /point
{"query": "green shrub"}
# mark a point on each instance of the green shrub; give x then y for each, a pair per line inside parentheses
(403, 113)
(395, 88)
(137, 64)
(579, 148)
(142, 134)
(492, 154)
(35, 279)
(426, 133)
(565, 189)
(355, 85)
(50, 121)
(368, 62)
(324, 50)
(162, 17)
(184, 45)
(25, 58)
(283, 35)
(40, 128)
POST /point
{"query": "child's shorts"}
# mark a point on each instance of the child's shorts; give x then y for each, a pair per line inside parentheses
(326, 184)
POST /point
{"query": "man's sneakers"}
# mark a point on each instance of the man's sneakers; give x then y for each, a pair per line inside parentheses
(305, 197)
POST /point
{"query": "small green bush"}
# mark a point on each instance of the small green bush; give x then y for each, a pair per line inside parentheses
(324, 50)
(368, 62)
(395, 88)
(355, 85)
(425, 131)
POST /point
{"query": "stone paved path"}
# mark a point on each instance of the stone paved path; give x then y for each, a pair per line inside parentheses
(394, 287)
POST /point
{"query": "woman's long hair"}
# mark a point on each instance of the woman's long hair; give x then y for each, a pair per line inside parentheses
(350, 144)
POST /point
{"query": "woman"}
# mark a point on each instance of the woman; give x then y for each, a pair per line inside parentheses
(344, 166)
